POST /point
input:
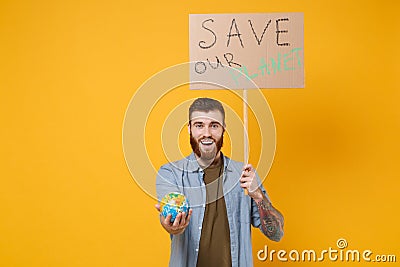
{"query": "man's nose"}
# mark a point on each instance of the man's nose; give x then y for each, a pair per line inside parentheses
(207, 131)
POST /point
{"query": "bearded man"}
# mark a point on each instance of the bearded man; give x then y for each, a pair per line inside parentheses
(217, 229)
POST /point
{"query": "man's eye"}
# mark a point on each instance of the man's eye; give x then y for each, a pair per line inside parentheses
(215, 126)
(199, 126)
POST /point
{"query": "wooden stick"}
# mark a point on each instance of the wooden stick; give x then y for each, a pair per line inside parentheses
(245, 133)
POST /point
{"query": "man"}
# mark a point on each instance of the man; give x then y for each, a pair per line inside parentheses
(216, 230)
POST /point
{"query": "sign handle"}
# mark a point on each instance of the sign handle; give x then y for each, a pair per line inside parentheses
(245, 133)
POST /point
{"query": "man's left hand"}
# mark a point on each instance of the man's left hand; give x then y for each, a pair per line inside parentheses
(248, 180)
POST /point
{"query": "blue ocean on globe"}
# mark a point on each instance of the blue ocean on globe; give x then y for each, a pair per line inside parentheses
(174, 203)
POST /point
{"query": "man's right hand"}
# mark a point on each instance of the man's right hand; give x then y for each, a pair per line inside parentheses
(180, 223)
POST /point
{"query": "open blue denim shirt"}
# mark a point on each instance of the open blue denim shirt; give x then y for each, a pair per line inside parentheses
(186, 176)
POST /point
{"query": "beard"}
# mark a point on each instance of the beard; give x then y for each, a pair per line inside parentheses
(196, 148)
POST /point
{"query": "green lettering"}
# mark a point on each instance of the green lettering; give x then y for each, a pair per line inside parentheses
(285, 61)
(296, 51)
(276, 65)
(264, 67)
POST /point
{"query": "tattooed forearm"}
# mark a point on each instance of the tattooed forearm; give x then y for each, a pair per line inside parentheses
(271, 220)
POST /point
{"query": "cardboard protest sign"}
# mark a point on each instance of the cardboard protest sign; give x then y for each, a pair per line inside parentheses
(267, 48)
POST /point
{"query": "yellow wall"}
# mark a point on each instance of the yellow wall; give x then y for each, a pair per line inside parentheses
(69, 70)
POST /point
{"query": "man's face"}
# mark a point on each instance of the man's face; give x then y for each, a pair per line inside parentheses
(206, 133)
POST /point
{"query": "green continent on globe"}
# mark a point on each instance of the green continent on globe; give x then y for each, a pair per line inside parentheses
(174, 203)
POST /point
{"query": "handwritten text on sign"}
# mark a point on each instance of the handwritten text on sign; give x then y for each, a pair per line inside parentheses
(266, 48)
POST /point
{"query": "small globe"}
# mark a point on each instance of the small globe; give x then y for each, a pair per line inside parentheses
(173, 203)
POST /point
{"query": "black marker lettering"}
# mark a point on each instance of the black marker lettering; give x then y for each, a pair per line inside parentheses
(201, 69)
(279, 32)
(229, 61)
(216, 64)
(202, 44)
(235, 34)
(262, 35)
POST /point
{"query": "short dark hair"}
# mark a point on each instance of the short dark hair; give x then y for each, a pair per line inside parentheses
(206, 104)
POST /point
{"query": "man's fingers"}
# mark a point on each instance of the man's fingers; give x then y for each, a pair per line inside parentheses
(188, 217)
(167, 220)
(246, 180)
(247, 167)
(247, 173)
(180, 223)
(183, 218)
(245, 185)
(177, 220)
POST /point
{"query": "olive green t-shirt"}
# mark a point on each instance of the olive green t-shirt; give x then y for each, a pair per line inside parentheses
(214, 248)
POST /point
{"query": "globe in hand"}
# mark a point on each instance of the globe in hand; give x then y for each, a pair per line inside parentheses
(174, 203)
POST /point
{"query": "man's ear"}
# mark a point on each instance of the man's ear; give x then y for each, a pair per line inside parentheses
(189, 127)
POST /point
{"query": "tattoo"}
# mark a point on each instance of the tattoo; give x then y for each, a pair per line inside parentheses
(271, 220)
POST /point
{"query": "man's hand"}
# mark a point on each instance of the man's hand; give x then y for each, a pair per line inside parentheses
(180, 223)
(248, 180)
(271, 219)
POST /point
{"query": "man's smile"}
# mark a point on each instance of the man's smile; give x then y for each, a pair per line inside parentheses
(207, 141)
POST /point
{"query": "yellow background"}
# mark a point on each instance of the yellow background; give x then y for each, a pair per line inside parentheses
(69, 69)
